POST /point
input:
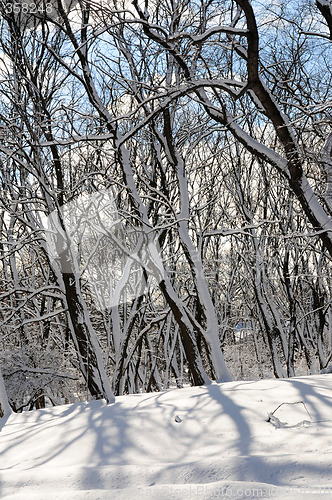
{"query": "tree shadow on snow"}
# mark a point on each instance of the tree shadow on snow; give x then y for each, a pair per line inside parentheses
(162, 438)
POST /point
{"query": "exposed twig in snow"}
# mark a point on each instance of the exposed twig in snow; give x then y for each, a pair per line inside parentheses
(276, 422)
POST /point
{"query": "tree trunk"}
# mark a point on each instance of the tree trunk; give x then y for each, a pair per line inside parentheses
(5, 409)
(195, 365)
(86, 342)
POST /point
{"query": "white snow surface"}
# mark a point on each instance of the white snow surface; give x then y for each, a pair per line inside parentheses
(193, 443)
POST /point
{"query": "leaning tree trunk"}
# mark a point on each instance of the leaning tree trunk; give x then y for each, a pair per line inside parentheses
(187, 334)
(66, 270)
(86, 342)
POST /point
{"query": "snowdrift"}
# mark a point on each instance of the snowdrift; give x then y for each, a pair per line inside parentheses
(266, 439)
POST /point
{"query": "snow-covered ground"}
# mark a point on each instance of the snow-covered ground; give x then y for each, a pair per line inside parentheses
(194, 443)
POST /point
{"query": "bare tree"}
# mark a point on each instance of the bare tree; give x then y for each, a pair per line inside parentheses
(207, 123)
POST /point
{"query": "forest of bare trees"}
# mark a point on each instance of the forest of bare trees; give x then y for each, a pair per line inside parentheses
(166, 195)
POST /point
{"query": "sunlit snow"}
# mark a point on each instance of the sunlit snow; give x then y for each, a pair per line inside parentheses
(202, 442)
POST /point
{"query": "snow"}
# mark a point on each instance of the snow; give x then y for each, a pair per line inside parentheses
(198, 442)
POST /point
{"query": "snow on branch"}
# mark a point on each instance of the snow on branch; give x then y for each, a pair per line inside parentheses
(44, 371)
(191, 86)
(241, 230)
(210, 32)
